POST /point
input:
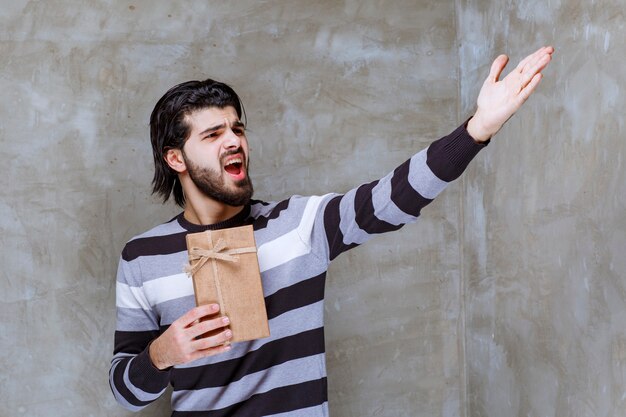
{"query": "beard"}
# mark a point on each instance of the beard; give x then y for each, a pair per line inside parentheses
(212, 183)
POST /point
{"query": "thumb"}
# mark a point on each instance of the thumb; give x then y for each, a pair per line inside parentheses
(496, 68)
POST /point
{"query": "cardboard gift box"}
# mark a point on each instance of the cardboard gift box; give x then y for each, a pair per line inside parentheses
(225, 270)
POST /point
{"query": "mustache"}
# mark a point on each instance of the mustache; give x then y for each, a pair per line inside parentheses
(234, 152)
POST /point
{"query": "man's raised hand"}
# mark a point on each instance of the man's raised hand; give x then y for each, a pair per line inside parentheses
(498, 100)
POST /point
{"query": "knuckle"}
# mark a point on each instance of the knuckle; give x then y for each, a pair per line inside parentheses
(193, 314)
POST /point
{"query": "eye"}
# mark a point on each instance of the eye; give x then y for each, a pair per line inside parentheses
(213, 135)
(239, 131)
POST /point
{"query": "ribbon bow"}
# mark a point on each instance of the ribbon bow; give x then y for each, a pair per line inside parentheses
(198, 256)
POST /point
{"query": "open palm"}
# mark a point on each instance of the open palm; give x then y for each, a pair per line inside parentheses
(499, 99)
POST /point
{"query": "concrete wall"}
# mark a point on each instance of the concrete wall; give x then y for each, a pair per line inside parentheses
(330, 87)
(545, 218)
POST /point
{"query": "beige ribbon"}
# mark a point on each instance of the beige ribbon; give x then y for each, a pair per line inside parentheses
(198, 256)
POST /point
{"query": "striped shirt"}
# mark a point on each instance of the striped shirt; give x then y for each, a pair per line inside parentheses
(284, 374)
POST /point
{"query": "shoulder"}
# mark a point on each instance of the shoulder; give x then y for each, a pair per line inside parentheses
(295, 203)
(288, 211)
(152, 240)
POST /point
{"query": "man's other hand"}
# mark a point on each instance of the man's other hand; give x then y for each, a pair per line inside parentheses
(195, 335)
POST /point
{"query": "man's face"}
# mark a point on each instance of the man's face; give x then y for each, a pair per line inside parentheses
(216, 155)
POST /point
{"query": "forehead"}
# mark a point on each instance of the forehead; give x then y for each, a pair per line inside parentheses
(203, 119)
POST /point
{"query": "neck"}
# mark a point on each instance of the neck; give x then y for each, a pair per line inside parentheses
(204, 211)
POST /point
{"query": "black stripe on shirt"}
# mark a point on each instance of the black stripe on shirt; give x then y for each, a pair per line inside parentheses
(279, 400)
(334, 236)
(295, 296)
(365, 217)
(403, 194)
(133, 342)
(261, 221)
(263, 203)
(301, 345)
(174, 243)
(154, 245)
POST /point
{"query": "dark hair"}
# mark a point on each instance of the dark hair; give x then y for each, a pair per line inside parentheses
(169, 128)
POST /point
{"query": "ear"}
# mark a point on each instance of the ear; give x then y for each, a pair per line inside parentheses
(175, 160)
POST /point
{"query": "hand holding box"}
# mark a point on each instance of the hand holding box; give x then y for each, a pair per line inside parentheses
(225, 270)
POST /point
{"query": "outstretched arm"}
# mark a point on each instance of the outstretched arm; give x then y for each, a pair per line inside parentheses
(498, 100)
(387, 204)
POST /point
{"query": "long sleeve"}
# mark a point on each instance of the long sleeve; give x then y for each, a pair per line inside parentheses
(134, 381)
(387, 204)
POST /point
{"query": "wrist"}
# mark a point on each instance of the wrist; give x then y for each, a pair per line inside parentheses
(477, 130)
(156, 357)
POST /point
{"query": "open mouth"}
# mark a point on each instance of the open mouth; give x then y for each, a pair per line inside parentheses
(234, 167)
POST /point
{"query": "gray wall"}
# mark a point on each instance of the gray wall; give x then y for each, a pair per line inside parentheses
(545, 217)
(506, 299)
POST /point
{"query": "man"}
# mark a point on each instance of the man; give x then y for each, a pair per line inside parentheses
(201, 157)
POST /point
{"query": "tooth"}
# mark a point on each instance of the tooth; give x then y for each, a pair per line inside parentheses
(234, 161)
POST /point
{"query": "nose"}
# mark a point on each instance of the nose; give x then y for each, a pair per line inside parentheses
(231, 140)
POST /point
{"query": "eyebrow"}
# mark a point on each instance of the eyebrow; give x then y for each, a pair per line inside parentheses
(238, 123)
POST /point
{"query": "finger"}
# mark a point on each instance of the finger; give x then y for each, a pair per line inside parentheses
(530, 58)
(199, 354)
(496, 68)
(207, 326)
(536, 69)
(196, 314)
(541, 63)
(532, 85)
(212, 341)
(538, 56)
(539, 60)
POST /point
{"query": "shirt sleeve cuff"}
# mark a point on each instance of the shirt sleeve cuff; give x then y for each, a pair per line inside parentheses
(144, 374)
(449, 156)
